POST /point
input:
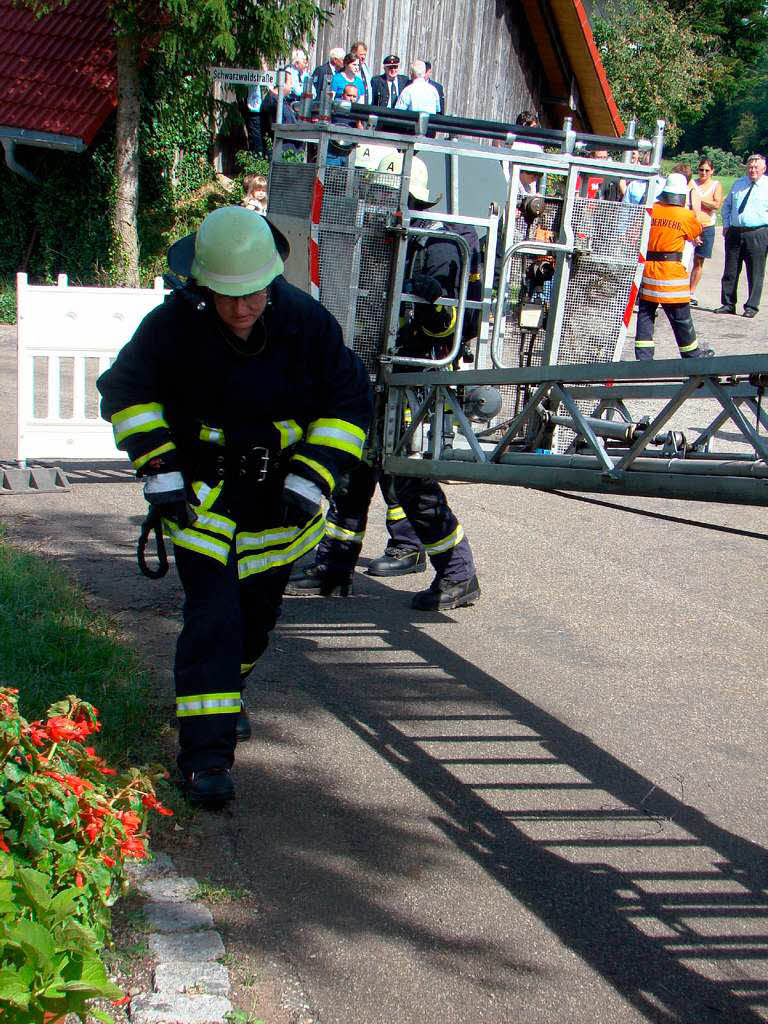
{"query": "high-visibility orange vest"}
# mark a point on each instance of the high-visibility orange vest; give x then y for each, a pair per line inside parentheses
(667, 280)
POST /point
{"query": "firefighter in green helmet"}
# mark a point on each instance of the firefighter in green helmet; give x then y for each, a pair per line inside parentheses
(240, 407)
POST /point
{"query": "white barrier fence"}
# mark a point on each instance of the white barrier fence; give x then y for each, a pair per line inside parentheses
(66, 338)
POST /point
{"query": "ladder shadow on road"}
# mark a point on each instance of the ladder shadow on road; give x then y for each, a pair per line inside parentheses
(640, 884)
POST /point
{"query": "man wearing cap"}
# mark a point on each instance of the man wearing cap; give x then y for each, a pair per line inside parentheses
(665, 279)
(387, 87)
(240, 408)
(745, 231)
(420, 522)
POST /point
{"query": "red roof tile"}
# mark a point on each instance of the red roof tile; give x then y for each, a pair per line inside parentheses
(57, 73)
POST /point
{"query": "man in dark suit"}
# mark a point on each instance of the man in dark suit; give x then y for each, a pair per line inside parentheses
(323, 73)
(387, 87)
(435, 85)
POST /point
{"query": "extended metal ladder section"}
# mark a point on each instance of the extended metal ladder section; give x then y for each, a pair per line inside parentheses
(612, 451)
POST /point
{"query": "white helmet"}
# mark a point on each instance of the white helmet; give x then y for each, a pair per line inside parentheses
(419, 183)
(676, 185)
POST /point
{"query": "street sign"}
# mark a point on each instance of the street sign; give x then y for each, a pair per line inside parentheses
(244, 76)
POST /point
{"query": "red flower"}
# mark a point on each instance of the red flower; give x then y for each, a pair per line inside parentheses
(108, 860)
(72, 782)
(37, 733)
(133, 847)
(154, 805)
(79, 880)
(130, 821)
(60, 728)
(3, 844)
(93, 830)
(121, 1002)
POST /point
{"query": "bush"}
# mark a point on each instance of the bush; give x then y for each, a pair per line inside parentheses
(67, 825)
(723, 161)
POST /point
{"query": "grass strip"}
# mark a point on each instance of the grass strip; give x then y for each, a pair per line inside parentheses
(52, 644)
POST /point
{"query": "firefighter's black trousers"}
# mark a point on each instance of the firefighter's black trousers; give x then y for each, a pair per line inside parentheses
(226, 629)
(430, 522)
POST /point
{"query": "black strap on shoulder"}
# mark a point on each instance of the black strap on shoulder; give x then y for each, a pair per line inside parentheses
(154, 521)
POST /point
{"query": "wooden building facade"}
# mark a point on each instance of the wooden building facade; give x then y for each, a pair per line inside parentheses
(494, 57)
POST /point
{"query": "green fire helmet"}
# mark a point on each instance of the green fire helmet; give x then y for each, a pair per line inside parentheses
(235, 251)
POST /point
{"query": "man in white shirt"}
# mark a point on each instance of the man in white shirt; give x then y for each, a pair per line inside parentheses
(420, 95)
(745, 230)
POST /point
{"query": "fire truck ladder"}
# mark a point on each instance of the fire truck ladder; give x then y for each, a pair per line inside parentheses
(611, 452)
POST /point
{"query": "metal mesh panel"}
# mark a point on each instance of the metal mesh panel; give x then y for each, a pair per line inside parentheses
(595, 301)
(356, 256)
(290, 189)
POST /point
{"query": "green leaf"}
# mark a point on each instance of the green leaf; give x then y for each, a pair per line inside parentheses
(13, 772)
(93, 980)
(32, 938)
(13, 989)
(36, 887)
(62, 905)
(100, 1015)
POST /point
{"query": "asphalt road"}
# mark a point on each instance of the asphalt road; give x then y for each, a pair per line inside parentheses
(549, 808)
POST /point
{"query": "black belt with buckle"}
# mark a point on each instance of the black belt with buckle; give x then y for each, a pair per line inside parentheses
(238, 462)
(664, 257)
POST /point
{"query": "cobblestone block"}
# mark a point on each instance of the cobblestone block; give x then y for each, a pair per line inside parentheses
(177, 917)
(187, 946)
(137, 871)
(163, 1009)
(208, 978)
(170, 889)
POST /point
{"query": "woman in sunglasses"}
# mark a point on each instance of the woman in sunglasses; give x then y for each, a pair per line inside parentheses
(710, 192)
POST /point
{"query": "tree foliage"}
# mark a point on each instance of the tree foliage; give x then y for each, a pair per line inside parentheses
(184, 38)
(659, 65)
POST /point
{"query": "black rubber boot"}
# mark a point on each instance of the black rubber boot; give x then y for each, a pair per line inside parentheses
(399, 562)
(243, 731)
(443, 595)
(319, 580)
(210, 788)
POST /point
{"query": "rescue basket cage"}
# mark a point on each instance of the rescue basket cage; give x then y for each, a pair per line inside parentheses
(538, 395)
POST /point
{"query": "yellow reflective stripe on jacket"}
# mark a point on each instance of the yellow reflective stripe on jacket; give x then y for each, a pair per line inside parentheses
(214, 435)
(142, 460)
(215, 523)
(475, 277)
(395, 514)
(246, 667)
(337, 434)
(208, 704)
(645, 343)
(446, 543)
(206, 494)
(447, 330)
(339, 533)
(193, 540)
(308, 538)
(137, 419)
(318, 468)
(290, 432)
(276, 537)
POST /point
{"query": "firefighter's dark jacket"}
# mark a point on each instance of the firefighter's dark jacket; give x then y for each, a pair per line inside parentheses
(184, 392)
(440, 258)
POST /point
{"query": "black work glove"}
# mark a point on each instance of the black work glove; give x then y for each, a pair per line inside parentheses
(300, 501)
(426, 287)
(167, 493)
